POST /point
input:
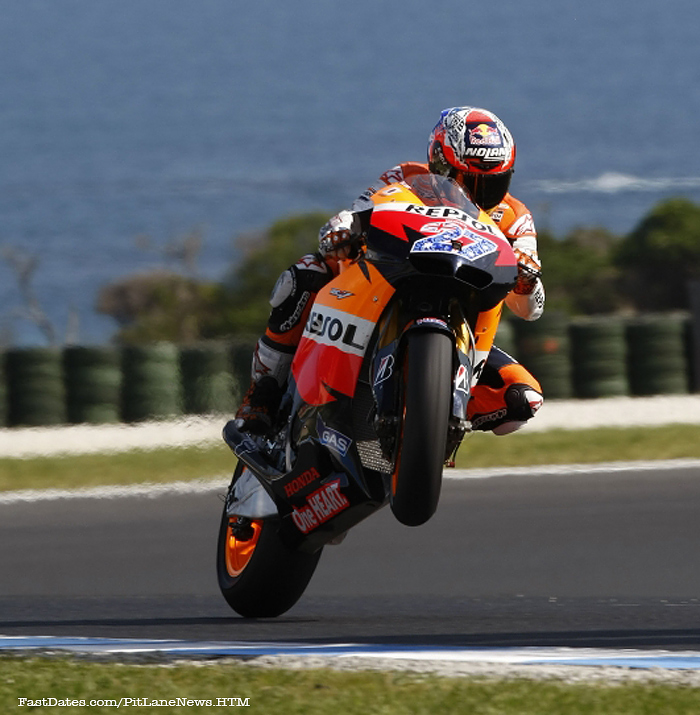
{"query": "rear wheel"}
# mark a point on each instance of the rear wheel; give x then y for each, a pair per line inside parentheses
(427, 377)
(258, 575)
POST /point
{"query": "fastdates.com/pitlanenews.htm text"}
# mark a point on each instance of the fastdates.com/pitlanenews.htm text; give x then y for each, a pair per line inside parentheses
(134, 702)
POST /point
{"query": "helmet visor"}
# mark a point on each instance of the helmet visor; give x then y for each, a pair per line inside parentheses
(486, 190)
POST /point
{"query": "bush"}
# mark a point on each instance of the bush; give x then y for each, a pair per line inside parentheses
(660, 256)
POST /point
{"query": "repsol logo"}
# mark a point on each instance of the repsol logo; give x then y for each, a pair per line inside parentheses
(335, 328)
(450, 213)
(438, 212)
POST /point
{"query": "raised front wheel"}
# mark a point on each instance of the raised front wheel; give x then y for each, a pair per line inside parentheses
(427, 378)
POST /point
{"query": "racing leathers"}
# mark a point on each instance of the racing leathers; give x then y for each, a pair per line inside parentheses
(506, 395)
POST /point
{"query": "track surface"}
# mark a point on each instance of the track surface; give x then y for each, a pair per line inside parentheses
(597, 560)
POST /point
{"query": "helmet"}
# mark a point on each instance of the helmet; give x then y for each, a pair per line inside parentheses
(474, 147)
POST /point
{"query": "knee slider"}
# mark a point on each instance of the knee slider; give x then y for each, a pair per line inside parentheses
(522, 401)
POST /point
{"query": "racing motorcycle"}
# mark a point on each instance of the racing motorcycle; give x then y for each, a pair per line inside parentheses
(377, 398)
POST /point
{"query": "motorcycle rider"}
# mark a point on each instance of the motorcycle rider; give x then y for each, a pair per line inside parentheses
(474, 147)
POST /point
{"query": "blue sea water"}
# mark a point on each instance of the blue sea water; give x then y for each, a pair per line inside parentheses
(156, 118)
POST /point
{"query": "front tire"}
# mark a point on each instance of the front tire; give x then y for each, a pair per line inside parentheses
(259, 576)
(427, 377)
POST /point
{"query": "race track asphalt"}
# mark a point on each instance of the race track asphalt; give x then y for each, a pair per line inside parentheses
(599, 559)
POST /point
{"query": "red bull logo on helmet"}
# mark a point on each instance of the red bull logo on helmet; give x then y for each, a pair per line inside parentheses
(484, 134)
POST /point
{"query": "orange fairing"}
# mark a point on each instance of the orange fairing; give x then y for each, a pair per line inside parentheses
(395, 193)
(338, 333)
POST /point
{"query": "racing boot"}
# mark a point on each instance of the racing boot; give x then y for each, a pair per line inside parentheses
(509, 408)
(269, 372)
(257, 411)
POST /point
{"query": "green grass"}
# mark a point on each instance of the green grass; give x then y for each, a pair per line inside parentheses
(479, 450)
(312, 692)
(135, 467)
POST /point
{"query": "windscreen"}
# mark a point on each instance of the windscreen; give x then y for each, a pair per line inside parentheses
(435, 190)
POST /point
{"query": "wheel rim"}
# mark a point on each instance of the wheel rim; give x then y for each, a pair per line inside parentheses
(238, 552)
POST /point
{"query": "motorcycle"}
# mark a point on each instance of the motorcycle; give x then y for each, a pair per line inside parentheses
(377, 398)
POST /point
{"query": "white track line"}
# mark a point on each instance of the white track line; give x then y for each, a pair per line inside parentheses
(533, 655)
(573, 469)
(150, 491)
(199, 486)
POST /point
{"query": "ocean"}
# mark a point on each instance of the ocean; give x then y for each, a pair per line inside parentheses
(126, 126)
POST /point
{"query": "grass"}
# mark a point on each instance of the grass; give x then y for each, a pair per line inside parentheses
(313, 692)
(134, 467)
(580, 446)
(479, 450)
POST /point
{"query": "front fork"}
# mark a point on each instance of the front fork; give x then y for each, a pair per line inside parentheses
(387, 386)
(463, 374)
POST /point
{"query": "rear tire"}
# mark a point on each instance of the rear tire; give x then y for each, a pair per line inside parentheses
(260, 577)
(417, 478)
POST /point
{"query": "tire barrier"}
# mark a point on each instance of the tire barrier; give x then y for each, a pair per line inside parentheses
(598, 357)
(93, 379)
(151, 387)
(657, 354)
(505, 337)
(543, 347)
(582, 357)
(208, 384)
(3, 392)
(692, 358)
(36, 393)
(241, 352)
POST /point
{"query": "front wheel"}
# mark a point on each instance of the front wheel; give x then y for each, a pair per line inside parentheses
(258, 575)
(423, 426)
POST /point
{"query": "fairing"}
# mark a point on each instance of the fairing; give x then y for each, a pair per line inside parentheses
(433, 261)
(338, 333)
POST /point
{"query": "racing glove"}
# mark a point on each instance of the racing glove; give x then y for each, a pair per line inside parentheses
(339, 236)
(529, 270)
